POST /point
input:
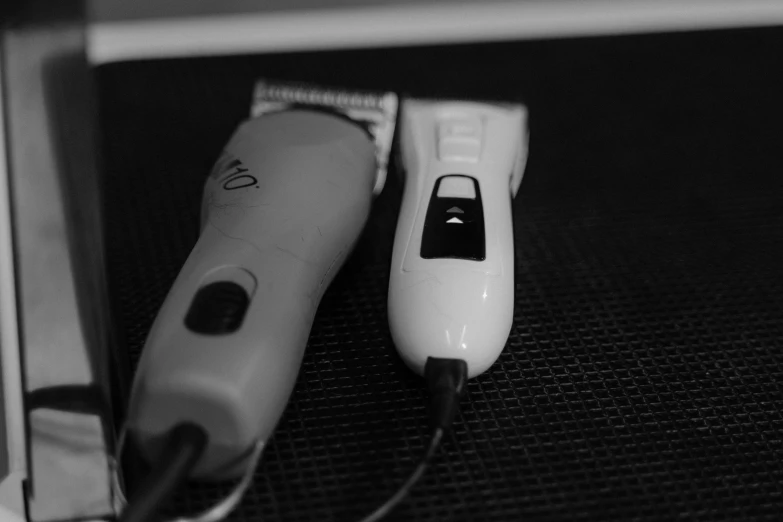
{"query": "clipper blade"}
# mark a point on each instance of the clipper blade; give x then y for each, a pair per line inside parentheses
(374, 111)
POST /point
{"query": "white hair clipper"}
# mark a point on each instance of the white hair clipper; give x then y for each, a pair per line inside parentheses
(282, 210)
(451, 290)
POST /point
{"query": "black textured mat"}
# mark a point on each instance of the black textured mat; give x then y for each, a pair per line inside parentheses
(642, 377)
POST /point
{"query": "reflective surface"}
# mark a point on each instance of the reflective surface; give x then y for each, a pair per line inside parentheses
(60, 290)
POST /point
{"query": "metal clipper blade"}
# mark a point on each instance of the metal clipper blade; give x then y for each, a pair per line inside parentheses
(374, 111)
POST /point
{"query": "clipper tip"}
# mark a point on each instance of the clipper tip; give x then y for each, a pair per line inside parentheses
(376, 111)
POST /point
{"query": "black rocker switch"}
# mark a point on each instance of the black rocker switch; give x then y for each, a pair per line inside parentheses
(217, 308)
(454, 225)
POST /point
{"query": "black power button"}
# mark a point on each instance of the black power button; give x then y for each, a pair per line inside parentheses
(454, 224)
(217, 308)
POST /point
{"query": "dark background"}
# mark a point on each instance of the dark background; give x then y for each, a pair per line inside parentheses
(641, 380)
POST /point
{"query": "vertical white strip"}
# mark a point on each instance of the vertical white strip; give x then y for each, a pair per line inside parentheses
(11, 496)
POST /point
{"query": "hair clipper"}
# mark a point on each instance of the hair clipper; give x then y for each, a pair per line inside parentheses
(451, 290)
(282, 209)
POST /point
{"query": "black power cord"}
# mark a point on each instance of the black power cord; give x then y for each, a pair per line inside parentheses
(403, 490)
(184, 446)
(446, 379)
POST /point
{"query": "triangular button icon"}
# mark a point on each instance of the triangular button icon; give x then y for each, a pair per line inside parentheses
(455, 210)
(454, 220)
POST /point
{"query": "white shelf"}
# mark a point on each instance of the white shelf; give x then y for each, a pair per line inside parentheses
(176, 29)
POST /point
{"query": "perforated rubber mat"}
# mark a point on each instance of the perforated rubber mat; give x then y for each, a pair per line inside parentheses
(641, 380)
